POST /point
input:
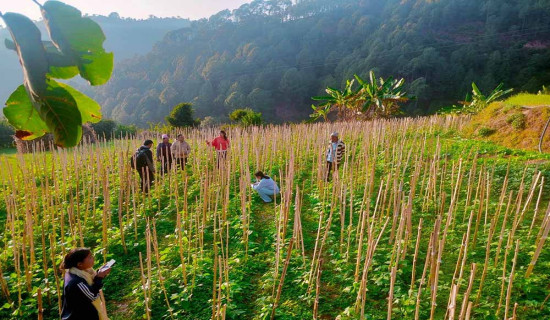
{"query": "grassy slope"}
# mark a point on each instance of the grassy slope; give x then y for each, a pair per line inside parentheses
(515, 123)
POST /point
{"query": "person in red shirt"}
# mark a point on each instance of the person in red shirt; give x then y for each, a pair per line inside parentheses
(220, 144)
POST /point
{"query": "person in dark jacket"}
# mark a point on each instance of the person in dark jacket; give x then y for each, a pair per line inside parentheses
(145, 166)
(164, 154)
(82, 299)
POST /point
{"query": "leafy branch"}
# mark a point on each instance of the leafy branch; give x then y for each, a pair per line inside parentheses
(41, 104)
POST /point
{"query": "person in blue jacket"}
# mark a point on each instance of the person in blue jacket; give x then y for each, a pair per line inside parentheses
(82, 299)
(265, 186)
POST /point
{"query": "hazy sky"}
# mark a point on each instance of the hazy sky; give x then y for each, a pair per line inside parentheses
(193, 9)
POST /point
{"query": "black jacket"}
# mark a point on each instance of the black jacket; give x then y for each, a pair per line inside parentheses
(141, 162)
(164, 151)
(78, 297)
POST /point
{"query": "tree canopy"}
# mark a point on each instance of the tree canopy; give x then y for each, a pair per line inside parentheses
(246, 117)
(182, 116)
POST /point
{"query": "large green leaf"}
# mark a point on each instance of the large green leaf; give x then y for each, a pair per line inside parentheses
(321, 98)
(10, 45)
(43, 105)
(79, 38)
(22, 116)
(477, 92)
(30, 51)
(59, 110)
(359, 80)
(54, 104)
(61, 66)
(90, 110)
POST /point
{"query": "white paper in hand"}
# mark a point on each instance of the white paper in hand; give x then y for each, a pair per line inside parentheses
(108, 265)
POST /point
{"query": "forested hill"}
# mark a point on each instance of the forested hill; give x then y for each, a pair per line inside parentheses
(273, 56)
(125, 37)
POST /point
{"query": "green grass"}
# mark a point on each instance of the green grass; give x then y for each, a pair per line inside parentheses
(8, 157)
(530, 100)
(7, 151)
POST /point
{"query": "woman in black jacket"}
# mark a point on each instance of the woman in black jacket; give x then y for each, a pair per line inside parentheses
(81, 292)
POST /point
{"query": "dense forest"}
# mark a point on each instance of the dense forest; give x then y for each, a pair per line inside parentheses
(272, 56)
(125, 37)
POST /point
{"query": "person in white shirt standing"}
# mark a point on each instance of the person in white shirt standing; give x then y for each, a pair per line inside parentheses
(335, 153)
(265, 186)
(180, 151)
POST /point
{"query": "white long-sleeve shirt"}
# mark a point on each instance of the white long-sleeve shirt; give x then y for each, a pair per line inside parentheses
(267, 184)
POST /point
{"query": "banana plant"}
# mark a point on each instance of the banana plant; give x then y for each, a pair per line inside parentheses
(320, 111)
(336, 100)
(41, 104)
(380, 98)
(479, 101)
(374, 98)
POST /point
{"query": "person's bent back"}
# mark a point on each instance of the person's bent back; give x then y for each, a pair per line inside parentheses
(265, 186)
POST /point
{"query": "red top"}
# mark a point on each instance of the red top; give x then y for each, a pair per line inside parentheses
(220, 144)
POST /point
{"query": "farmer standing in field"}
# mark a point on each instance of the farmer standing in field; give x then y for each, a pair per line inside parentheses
(221, 145)
(164, 155)
(180, 151)
(335, 153)
(143, 163)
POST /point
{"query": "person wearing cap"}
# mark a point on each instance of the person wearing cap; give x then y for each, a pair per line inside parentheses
(335, 153)
(180, 151)
(164, 154)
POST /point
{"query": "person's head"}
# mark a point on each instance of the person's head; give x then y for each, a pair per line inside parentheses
(334, 137)
(81, 258)
(223, 134)
(165, 138)
(148, 143)
(259, 175)
(180, 137)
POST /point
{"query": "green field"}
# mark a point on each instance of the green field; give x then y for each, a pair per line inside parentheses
(529, 100)
(417, 223)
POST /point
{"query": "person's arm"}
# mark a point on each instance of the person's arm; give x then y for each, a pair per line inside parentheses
(187, 149)
(342, 151)
(158, 152)
(263, 183)
(86, 292)
(173, 149)
(168, 152)
(214, 143)
(276, 187)
(149, 158)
